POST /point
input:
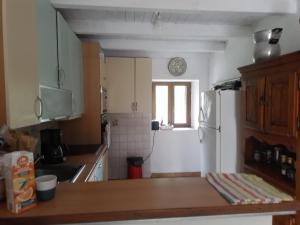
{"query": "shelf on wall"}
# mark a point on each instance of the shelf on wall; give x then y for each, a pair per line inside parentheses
(271, 174)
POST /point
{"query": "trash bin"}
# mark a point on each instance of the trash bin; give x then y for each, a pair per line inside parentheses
(134, 166)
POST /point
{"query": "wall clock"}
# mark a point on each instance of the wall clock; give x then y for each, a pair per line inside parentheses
(177, 66)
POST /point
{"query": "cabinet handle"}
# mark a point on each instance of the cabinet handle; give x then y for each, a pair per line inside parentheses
(38, 113)
(134, 106)
(61, 77)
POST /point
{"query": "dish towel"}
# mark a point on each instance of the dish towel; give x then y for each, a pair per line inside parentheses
(246, 189)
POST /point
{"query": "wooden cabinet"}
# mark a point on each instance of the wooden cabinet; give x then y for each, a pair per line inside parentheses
(120, 84)
(271, 116)
(21, 62)
(281, 103)
(253, 102)
(33, 86)
(270, 100)
(103, 77)
(129, 83)
(143, 82)
(87, 128)
(284, 220)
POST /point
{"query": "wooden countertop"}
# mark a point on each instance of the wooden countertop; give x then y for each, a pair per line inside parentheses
(135, 199)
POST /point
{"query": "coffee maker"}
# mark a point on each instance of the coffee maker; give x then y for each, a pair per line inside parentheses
(52, 148)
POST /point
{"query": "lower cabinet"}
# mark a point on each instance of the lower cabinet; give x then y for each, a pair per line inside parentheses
(284, 220)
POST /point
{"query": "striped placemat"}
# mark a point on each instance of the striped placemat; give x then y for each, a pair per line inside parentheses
(239, 188)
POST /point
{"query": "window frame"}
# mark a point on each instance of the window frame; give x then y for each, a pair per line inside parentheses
(171, 102)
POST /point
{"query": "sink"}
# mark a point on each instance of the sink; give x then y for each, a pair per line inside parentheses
(63, 172)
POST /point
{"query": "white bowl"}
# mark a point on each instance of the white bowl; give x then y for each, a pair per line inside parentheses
(46, 182)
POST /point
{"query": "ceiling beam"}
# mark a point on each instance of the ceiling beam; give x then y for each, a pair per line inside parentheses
(259, 6)
(164, 31)
(162, 46)
(152, 54)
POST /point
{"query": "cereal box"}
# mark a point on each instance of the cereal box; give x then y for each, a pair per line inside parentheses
(19, 181)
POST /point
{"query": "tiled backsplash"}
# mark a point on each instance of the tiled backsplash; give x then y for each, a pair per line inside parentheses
(130, 136)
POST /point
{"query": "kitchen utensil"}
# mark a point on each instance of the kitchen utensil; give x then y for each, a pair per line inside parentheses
(264, 51)
(266, 44)
(271, 36)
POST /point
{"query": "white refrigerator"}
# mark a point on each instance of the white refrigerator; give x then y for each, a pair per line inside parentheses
(219, 131)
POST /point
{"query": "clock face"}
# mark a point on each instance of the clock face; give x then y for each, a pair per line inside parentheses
(177, 66)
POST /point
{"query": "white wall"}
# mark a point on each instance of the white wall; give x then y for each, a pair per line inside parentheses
(290, 39)
(239, 51)
(179, 150)
(223, 65)
(197, 67)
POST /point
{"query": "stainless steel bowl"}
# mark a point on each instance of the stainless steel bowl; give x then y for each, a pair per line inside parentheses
(262, 36)
(264, 51)
(270, 35)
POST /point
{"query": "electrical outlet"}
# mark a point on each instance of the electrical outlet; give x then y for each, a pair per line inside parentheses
(115, 123)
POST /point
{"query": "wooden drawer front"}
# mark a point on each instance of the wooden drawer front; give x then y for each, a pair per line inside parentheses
(280, 105)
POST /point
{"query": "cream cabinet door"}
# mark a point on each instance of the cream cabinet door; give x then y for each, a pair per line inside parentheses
(21, 61)
(120, 84)
(103, 76)
(144, 84)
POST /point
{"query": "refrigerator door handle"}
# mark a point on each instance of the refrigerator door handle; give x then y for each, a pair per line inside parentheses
(200, 134)
(203, 116)
(213, 128)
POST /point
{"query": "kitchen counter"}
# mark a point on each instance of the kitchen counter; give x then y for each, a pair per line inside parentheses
(137, 199)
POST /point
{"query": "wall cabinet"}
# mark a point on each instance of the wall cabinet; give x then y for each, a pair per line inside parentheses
(143, 80)
(270, 100)
(103, 77)
(70, 72)
(47, 44)
(21, 62)
(254, 109)
(87, 128)
(32, 65)
(281, 103)
(129, 84)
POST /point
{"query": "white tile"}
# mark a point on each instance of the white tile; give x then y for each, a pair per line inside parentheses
(123, 138)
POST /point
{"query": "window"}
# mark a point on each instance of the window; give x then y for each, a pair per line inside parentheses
(172, 103)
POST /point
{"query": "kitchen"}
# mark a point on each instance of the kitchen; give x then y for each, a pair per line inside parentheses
(137, 43)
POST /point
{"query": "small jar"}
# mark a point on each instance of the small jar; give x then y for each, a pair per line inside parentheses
(290, 160)
(277, 152)
(269, 156)
(283, 159)
(257, 156)
(284, 169)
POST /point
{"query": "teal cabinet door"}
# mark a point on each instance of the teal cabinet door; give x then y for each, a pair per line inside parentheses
(64, 52)
(47, 44)
(70, 64)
